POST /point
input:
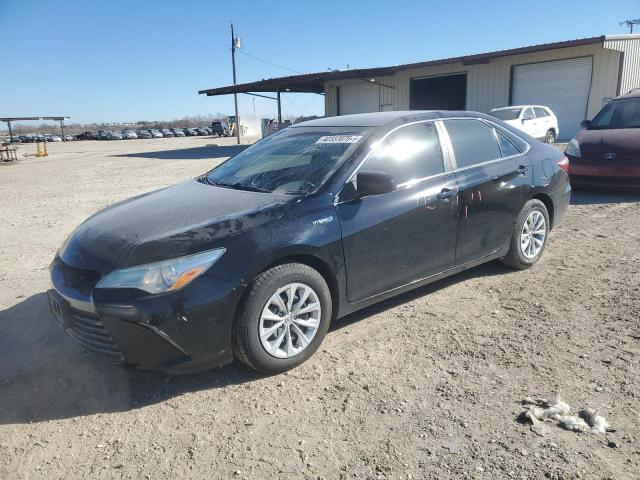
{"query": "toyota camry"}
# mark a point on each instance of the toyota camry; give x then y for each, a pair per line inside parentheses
(254, 259)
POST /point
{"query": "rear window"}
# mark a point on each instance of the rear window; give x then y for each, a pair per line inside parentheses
(473, 142)
(624, 113)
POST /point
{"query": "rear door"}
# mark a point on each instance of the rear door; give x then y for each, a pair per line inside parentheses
(494, 176)
(396, 238)
(543, 121)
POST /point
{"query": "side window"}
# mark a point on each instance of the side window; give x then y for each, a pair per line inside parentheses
(506, 146)
(528, 114)
(541, 112)
(409, 153)
(473, 142)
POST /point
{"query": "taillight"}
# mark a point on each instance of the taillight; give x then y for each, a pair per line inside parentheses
(564, 164)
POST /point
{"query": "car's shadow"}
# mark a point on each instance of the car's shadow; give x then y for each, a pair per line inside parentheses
(208, 152)
(45, 377)
(603, 196)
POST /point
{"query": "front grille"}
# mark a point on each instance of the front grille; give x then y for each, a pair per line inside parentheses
(89, 331)
(600, 156)
(79, 278)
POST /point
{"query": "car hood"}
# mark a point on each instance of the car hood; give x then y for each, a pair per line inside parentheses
(180, 220)
(624, 140)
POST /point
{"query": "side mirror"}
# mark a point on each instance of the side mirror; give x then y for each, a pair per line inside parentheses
(585, 123)
(374, 183)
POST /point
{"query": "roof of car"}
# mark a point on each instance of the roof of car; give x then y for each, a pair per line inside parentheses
(377, 119)
(632, 94)
(519, 106)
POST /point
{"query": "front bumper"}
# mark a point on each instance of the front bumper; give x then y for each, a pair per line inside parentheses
(180, 332)
(588, 173)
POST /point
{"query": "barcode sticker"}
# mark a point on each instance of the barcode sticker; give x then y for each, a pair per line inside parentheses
(340, 139)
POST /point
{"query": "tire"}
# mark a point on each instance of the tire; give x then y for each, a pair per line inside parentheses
(249, 348)
(550, 137)
(520, 257)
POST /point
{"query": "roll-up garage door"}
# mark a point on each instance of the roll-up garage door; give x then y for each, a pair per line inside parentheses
(561, 85)
(359, 98)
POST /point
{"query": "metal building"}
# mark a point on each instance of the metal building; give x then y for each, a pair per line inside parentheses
(574, 78)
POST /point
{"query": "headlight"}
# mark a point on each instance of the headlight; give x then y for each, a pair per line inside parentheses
(162, 276)
(573, 148)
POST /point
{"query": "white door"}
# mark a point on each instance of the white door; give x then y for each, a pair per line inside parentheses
(359, 98)
(529, 122)
(562, 85)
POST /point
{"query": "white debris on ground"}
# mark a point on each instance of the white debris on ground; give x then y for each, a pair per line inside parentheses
(543, 410)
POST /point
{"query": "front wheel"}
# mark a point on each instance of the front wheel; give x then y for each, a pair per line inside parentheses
(529, 237)
(283, 319)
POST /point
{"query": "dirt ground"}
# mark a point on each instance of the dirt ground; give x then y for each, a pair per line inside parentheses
(427, 385)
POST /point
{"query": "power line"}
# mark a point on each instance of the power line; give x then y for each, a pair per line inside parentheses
(268, 62)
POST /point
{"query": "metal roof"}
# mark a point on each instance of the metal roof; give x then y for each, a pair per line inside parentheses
(314, 82)
(15, 119)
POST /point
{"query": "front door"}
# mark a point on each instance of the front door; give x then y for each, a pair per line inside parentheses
(494, 178)
(402, 236)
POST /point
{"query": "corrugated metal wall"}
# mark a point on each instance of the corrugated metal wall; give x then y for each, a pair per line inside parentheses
(488, 84)
(631, 65)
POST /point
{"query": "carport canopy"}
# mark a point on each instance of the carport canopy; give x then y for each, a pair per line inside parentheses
(8, 121)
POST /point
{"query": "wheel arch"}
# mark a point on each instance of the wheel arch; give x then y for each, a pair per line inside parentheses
(311, 259)
(548, 202)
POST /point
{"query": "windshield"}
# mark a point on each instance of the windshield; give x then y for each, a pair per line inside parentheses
(618, 114)
(294, 160)
(506, 113)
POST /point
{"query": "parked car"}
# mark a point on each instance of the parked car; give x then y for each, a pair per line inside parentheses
(191, 132)
(201, 132)
(255, 258)
(129, 135)
(177, 132)
(536, 120)
(166, 133)
(103, 135)
(156, 133)
(606, 152)
(86, 135)
(114, 136)
(144, 134)
(220, 128)
(53, 138)
(70, 138)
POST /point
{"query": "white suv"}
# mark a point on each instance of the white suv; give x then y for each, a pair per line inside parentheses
(538, 121)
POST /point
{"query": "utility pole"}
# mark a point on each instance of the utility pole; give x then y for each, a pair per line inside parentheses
(234, 43)
(630, 23)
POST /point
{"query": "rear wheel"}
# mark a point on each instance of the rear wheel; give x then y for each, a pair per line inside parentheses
(550, 137)
(529, 237)
(284, 318)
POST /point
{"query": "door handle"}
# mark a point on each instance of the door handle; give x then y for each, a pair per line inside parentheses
(523, 169)
(447, 193)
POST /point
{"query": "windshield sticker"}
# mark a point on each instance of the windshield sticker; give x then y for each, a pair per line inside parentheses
(340, 139)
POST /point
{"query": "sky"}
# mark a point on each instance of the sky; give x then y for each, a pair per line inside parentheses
(122, 61)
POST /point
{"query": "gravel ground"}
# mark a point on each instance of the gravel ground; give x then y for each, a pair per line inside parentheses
(427, 385)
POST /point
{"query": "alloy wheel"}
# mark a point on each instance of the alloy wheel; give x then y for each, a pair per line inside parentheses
(533, 234)
(290, 320)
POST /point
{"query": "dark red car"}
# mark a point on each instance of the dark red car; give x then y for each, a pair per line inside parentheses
(606, 152)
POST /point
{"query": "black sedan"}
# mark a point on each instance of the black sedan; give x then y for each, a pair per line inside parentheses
(255, 258)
